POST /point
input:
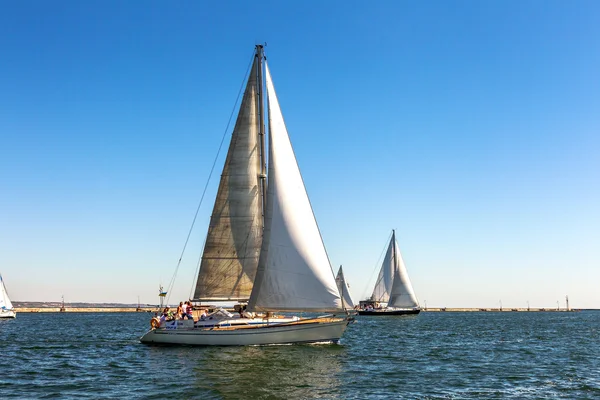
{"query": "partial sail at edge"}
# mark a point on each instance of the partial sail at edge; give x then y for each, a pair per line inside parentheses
(232, 248)
(294, 272)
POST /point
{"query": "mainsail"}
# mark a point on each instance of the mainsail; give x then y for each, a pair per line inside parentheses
(402, 294)
(294, 273)
(385, 279)
(232, 248)
(5, 302)
(343, 288)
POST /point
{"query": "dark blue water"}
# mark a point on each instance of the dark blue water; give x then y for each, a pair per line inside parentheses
(507, 355)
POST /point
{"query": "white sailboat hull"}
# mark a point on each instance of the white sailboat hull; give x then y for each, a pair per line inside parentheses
(287, 333)
(8, 314)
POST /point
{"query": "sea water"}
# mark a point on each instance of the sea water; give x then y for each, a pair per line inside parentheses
(435, 355)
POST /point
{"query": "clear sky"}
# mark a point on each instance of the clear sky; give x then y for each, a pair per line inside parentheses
(472, 128)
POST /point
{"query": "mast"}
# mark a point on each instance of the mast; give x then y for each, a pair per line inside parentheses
(261, 125)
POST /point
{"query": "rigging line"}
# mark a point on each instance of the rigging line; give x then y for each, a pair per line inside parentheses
(193, 288)
(172, 282)
(376, 265)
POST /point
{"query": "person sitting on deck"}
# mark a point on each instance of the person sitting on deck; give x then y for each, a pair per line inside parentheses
(203, 314)
(247, 314)
(184, 310)
(189, 310)
(168, 314)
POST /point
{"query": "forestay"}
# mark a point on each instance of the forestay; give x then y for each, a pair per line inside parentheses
(232, 248)
(294, 273)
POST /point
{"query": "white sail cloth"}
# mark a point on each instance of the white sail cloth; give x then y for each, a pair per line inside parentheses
(402, 294)
(5, 302)
(385, 279)
(294, 273)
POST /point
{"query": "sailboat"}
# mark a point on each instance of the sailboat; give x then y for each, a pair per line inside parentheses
(263, 245)
(343, 288)
(6, 308)
(393, 293)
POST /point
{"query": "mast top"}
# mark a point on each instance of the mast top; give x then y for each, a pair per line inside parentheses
(260, 51)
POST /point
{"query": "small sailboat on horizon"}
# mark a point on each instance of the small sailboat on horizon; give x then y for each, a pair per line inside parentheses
(263, 244)
(393, 293)
(6, 307)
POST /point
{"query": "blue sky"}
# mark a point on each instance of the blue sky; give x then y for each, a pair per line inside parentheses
(472, 128)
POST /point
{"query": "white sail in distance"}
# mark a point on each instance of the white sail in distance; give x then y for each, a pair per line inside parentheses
(294, 273)
(343, 288)
(402, 294)
(385, 279)
(234, 238)
(4, 299)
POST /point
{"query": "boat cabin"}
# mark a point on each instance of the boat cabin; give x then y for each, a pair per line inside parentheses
(364, 304)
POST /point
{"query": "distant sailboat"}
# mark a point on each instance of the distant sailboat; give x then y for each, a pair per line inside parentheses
(393, 293)
(263, 244)
(6, 308)
(343, 288)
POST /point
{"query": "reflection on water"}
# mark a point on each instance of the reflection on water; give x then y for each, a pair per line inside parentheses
(300, 371)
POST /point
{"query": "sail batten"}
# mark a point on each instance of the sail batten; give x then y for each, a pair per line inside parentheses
(230, 256)
(293, 273)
